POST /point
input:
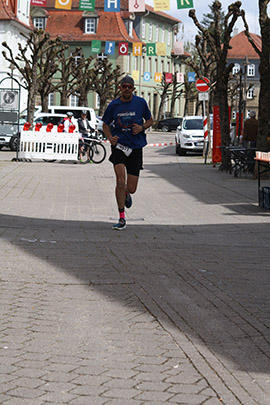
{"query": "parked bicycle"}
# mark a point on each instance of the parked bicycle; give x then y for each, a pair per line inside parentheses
(97, 151)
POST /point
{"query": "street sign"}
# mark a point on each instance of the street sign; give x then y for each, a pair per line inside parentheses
(203, 96)
(202, 84)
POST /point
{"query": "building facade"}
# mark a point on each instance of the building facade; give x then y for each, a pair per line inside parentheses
(80, 28)
(245, 72)
(14, 20)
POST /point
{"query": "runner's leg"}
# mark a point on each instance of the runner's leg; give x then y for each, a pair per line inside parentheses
(132, 182)
(120, 172)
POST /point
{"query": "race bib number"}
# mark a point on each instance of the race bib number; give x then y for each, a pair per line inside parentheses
(127, 151)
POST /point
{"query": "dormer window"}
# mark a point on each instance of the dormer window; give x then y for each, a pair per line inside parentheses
(236, 69)
(129, 27)
(39, 23)
(90, 25)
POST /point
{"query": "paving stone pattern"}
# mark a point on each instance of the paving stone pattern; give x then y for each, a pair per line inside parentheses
(173, 310)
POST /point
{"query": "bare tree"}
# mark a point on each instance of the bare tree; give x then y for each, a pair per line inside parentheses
(68, 80)
(177, 92)
(26, 62)
(48, 65)
(83, 83)
(164, 90)
(264, 69)
(104, 81)
(218, 42)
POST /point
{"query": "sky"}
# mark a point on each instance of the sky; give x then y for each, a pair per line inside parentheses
(202, 7)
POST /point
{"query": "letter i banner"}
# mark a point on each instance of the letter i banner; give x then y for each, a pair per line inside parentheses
(41, 3)
(137, 49)
(63, 4)
(136, 5)
(88, 5)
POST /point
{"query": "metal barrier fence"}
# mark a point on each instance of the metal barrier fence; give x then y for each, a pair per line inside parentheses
(48, 145)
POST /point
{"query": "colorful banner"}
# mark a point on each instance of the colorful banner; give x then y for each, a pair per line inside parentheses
(123, 48)
(191, 76)
(137, 49)
(63, 4)
(88, 5)
(168, 77)
(96, 46)
(109, 48)
(178, 48)
(151, 49)
(112, 5)
(184, 4)
(158, 77)
(180, 77)
(136, 6)
(135, 74)
(146, 76)
(161, 48)
(161, 5)
(41, 3)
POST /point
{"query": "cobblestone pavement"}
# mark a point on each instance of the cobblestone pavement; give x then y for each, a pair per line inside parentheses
(173, 310)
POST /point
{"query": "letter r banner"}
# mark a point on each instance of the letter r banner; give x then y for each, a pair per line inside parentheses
(184, 4)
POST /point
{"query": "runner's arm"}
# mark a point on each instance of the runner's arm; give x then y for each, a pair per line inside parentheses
(113, 139)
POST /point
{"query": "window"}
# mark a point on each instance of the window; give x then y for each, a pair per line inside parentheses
(156, 65)
(135, 62)
(163, 34)
(168, 67)
(128, 62)
(236, 68)
(234, 115)
(73, 101)
(169, 37)
(157, 31)
(143, 63)
(129, 27)
(97, 101)
(39, 23)
(149, 64)
(51, 99)
(143, 29)
(150, 32)
(76, 57)
(90, 26)
(251, 70)
(250, 93)
(162, 66)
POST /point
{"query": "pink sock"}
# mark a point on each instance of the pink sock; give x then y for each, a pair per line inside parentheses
(122, 214)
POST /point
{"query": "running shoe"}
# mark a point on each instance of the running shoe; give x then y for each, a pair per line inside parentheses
(121, 225)
(128, 200)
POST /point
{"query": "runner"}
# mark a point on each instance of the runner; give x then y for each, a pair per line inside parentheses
(130, 117)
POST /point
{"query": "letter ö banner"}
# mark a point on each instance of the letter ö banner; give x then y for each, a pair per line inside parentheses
(123, 48)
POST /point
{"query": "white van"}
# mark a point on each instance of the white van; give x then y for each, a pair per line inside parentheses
(63, 109)
(59, 109)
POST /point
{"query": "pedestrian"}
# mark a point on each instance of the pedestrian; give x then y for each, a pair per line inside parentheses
(250, 131)
(85, 130)
(68, 121)
(130, 117)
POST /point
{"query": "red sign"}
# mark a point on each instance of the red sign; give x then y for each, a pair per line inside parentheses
(123, 48)
(216, 152)
(41, 3)
(202, 84)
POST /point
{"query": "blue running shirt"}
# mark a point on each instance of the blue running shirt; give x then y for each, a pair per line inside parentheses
(123, 115)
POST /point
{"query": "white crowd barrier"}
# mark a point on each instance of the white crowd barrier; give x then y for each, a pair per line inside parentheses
(48, 145)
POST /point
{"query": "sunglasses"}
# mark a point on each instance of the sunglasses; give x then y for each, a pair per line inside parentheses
(127, 86)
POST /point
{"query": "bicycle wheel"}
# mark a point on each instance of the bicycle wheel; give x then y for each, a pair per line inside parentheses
(99, 152)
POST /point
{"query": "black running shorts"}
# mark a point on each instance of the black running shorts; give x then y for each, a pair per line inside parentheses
(133, 162)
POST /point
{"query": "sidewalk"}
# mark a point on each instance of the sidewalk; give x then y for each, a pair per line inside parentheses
(173, 310)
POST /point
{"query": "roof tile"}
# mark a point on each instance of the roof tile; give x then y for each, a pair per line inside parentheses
(241, 47)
